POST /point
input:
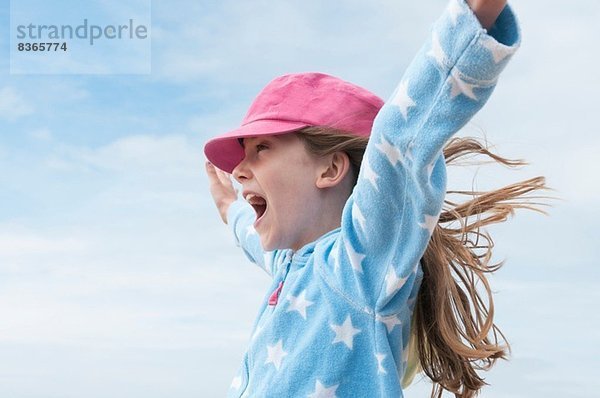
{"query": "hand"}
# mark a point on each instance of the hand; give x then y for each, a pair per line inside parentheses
(221, 189)
(487, 11)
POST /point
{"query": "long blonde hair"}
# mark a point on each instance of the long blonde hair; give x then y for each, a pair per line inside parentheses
(452, 333)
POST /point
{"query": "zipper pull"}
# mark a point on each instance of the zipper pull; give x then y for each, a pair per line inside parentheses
(275, 295)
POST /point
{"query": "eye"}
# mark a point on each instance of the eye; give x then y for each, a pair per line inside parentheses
(261, 147)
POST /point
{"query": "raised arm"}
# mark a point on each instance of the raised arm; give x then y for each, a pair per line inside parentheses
(221, 189)
(388, 220)
(239, 215)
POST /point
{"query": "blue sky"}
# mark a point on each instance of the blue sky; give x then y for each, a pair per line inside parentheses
(117, 278)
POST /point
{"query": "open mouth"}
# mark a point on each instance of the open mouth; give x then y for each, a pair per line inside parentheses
(258, 203)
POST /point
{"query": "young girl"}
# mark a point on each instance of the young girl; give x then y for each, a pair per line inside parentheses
(359, 249)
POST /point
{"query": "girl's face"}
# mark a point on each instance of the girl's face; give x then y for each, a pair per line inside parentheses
(278, 176)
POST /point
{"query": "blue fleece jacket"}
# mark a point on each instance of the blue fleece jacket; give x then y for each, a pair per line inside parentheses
(336, 320)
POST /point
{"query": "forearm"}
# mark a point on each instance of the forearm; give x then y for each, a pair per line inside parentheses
(403, 179)
(487, 11)
(223, 208)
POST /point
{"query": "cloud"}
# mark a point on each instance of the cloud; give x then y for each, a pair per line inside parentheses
(13, 244)
(229, 42)
(136, 154)
(41, 134)
(12, 105)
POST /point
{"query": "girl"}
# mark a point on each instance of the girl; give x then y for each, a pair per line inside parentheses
(361, 254)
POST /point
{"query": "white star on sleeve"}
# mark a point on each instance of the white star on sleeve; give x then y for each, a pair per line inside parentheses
(391, 152)
(358, 216)
(437, 52)
(355, 257)
(275, 354)
(429, 223)
(459, 86)
(455, 10)
(299, 303)
(380, 368)
(323, 392)
(369, 174)
(392, 282)
(389, 321)
(345, 332)
(236, 383)
(402, 100)
(499, 51)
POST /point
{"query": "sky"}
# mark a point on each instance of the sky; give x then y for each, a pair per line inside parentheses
(117, 276)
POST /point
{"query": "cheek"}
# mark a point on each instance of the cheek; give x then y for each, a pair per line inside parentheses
(294, 194)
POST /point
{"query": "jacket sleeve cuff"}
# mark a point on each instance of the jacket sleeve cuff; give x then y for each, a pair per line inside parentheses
(463, 37)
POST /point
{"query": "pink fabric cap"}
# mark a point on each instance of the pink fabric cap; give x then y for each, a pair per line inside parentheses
(291, 102)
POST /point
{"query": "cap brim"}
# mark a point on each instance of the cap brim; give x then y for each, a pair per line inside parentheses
(225, 151)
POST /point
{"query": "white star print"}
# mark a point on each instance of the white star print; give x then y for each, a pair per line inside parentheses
(369, 174)
(236, 383)
(391, 152)
(322, 392)
(429, 223)
(392, 282)
(402, 99)
(345, 332)
(455, 10)
(459, 86)
(299, 303)
(357, 215)
(380, 368)
(355, 257)
(499, 52)
(389, 321)
(437, 52)
(275, 354)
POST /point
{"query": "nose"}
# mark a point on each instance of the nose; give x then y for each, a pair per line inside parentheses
(241, 172)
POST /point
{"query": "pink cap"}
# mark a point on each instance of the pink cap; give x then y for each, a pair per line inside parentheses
(291, 102)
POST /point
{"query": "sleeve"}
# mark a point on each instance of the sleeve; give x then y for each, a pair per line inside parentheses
(241, 216)
(389, 218)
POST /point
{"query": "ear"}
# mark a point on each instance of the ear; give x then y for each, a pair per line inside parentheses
(334, 168)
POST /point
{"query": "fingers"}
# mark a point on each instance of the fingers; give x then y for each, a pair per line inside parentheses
(211, 171)
(220, 178)
(224, 177)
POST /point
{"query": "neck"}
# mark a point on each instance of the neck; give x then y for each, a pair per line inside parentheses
(325, 217)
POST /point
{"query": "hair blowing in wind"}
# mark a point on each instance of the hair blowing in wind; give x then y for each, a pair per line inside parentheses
(453, 322)
(453, 331)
